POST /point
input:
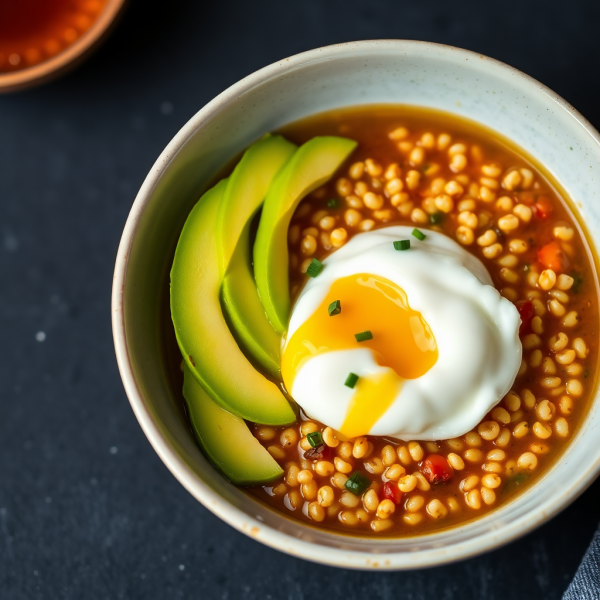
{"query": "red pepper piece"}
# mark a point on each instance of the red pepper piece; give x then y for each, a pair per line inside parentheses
(543, 207)
(553, 257)
(526, 312)
(320, 452)
(391, 492)
(436, 469)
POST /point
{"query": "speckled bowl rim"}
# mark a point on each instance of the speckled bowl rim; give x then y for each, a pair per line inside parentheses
(13, 81)
(215, 503)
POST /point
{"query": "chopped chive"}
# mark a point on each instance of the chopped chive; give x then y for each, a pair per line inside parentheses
(520, 478)
(315, 267)
(402, 244)
(351, 380)
(363, 336)
(418, 234)
(333, 203)
(335, 308)
(577, 281)
(514, 481)
(357, 483)
(436, 218)
(315, 438)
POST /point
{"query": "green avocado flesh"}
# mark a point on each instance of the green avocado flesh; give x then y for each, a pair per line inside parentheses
(312, 165)
(246, 314)
(246, 190)
(244, 194)
(226, 439)
(207, 345)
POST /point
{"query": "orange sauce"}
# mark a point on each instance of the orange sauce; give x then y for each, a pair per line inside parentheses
(32, 31)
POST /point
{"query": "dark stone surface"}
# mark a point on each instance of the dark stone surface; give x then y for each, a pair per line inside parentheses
(87, 510)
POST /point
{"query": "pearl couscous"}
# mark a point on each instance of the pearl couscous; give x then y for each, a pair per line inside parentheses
(437, 172)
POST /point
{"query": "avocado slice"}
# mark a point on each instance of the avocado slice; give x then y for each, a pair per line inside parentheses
(226, 439)
(207, 346)
(311, 166)
(244, 194)
(246, 189)
(246, 315)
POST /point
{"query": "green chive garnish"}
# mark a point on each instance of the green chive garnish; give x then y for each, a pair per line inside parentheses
(363, 336)
(357, 483)
(418, 234)
(436, 218)
(335, 308)
(402, 244)
(315, 267)
(351, 380)
(315, 438)
(333, 203)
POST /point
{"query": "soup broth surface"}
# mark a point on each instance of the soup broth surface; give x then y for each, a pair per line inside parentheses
(433, 170)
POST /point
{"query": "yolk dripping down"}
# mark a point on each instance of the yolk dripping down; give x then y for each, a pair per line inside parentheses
(402, 341)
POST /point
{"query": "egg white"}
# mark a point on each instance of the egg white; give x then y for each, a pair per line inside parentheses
(476, 330)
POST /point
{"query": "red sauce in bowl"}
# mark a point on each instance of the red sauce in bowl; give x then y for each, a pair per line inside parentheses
(33, 31)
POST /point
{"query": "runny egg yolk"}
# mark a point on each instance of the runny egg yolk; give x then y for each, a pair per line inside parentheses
(402, 342)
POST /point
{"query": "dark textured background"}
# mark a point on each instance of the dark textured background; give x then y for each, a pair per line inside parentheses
(87, 510)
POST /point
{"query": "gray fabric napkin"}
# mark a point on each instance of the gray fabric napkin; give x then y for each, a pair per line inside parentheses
(586, 583)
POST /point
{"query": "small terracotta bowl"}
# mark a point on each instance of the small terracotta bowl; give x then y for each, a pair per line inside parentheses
(68, 58)
(375, 72)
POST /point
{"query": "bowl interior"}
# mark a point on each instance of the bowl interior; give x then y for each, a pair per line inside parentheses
(361, 73)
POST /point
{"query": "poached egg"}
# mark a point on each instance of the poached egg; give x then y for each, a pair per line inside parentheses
(445, 344)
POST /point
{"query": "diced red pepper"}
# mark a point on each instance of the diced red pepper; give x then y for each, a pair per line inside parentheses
(526, 312)
(552, 257)
(320, 452)
(543, 207)
(391, 492)
(436, 469)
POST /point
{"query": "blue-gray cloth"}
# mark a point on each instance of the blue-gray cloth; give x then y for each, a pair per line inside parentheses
(586, 583)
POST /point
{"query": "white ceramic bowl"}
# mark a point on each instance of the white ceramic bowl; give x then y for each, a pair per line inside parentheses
(386, 71)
